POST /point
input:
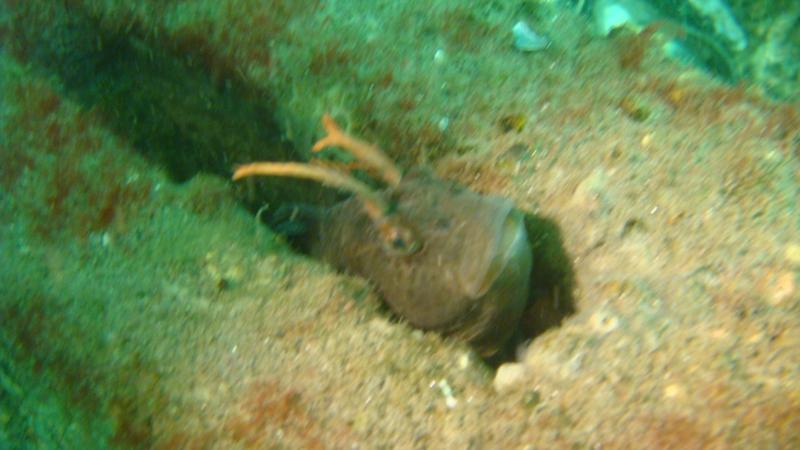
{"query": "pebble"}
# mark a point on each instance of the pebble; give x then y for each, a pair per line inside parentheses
(674, 392)
(792, 255)
(603, 322)
(509, 375)
(782, 289)
(527, 40)
(590, 194)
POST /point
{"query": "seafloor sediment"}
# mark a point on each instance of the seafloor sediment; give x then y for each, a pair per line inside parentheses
(142, 305)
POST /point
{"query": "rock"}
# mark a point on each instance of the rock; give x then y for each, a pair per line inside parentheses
(509, 376)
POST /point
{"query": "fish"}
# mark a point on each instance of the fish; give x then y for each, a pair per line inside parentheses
(443, 257)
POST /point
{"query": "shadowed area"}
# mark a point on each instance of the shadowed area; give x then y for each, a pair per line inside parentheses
(172, 106)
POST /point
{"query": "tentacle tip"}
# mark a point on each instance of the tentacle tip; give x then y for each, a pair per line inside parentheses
(239, 172)
(327, 120)
(319, 145)
(330, 125)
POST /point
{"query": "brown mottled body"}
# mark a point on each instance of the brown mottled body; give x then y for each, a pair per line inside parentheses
(443, 257)
(470, 277)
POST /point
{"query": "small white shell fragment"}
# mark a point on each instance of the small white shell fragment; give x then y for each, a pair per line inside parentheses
(449, 399)
(792, 254)
(443, 123)
(527, 40)
(439, 57)
(613, 16)
(508, 376)
(632, 14)
(464, 361)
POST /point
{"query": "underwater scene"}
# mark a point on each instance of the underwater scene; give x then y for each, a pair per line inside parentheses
(397, 224)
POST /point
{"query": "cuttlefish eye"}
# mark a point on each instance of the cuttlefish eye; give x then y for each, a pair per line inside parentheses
(398, 239)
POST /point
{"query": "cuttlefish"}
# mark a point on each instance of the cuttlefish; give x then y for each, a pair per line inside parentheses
(443, 257)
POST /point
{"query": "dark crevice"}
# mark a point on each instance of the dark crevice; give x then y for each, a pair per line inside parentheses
(552, 283)
(180, 114)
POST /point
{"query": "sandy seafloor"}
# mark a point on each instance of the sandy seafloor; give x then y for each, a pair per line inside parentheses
(143, 306)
